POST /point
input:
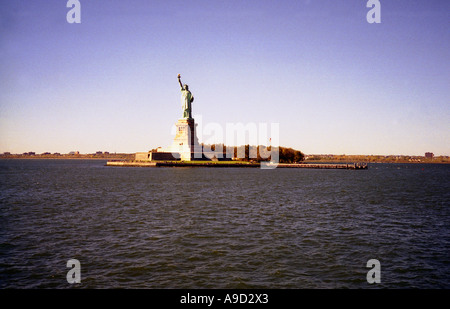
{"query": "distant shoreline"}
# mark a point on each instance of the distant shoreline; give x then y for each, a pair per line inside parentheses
(118, 156)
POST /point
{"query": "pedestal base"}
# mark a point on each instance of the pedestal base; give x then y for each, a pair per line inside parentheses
(186, 142)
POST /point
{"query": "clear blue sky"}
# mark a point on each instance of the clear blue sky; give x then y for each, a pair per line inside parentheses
(334, 83)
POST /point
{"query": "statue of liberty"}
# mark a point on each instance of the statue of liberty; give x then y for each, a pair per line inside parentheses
(186, 99)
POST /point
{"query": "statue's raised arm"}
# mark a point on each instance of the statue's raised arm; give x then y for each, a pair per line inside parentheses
(179, 81)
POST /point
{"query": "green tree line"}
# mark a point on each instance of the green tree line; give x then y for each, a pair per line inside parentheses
(257, 153)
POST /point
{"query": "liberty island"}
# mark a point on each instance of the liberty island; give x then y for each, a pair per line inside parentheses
(186, 151)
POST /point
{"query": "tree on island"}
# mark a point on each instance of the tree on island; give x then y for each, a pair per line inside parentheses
(286, 155)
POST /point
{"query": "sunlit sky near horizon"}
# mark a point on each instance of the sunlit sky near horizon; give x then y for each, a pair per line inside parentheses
(335, 83)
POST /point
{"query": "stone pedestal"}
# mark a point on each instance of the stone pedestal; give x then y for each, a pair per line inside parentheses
(186, 142)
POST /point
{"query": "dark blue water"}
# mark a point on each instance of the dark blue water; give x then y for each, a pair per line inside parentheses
(223, 227)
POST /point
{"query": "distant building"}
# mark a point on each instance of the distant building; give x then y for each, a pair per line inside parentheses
(429, 155)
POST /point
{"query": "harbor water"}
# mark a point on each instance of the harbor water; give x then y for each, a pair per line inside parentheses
(132, 227)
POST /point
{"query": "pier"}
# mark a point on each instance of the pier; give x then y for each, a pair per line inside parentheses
(347, 166)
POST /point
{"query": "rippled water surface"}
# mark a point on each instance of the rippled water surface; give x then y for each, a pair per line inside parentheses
(222, 227)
